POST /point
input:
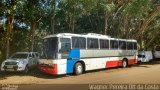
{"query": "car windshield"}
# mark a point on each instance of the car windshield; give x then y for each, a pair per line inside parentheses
(19, 56)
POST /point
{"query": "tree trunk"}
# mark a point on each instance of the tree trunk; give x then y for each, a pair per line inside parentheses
(125, 28)
(107, 14)
(53, 17)
(106, 23)
(73, 23)
(8, 44)
(9, 30)
(33, 28)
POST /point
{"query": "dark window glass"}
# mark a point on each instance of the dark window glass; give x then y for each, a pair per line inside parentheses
(104, 44)
(141, 56)
(129, 46)
(65, 47)
(122, 45)
(33, 55)
(64, 40)
(30, 55)
(135, 46)
(114, 44)
(20, 56)
(36, 54)
(50, 48)
(92, 43)
(79, 42)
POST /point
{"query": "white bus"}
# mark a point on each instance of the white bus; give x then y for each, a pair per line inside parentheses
(66, 53)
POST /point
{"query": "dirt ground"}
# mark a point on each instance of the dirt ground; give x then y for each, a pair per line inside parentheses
(146, 73)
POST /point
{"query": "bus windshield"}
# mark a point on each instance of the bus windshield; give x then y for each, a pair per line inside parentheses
(50, 48)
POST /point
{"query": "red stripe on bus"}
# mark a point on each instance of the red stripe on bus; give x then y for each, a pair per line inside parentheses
(117, 63)
(110, 64)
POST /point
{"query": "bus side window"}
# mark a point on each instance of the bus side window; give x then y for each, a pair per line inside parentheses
(104, 44)
(65, 47)
(92, 43)
(79, 42)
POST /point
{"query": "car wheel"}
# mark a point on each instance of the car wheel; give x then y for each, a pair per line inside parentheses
(26, 69)
(78, 69)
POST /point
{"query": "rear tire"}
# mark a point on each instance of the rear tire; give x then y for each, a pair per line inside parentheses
(124, 63)
(78, 69)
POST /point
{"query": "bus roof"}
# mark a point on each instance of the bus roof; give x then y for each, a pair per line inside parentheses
(91, 35)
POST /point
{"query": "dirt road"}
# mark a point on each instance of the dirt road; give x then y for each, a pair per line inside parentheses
(141, 74)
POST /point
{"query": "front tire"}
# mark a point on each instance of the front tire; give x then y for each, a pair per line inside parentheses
(26, 69)
(78, 69)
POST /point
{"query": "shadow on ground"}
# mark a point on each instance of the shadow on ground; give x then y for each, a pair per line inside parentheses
(34, 72)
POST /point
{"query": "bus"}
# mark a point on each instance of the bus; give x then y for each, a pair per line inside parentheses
(66, 53)
(157, 52)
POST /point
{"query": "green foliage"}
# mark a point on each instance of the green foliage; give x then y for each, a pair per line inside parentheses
(137, 8)
(124, 19)
(108, 7)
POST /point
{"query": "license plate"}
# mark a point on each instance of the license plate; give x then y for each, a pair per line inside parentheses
(9, 66)
(9, 69)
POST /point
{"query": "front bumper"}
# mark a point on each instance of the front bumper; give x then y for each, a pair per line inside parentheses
(12, 68)
(48, 69)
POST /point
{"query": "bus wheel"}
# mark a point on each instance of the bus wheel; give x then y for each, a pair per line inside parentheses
(78, 69)
(124, 63)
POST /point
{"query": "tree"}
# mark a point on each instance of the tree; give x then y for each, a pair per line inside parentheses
(9, 8)
(31, 13)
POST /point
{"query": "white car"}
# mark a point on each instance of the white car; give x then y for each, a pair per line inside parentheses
(20, 61)
(145, 56)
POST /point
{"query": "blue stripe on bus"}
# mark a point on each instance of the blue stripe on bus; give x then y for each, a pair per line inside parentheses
(73, 57)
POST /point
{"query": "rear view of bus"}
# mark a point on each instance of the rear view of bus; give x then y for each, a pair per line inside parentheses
(66, 53)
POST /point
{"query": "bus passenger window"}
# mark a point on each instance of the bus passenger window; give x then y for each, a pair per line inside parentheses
(104, 44)
(129, 46)
(92, 43)
(122, 45)
(79, 42)
(113, 44)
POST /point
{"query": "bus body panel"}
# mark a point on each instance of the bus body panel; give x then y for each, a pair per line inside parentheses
(66, 66)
